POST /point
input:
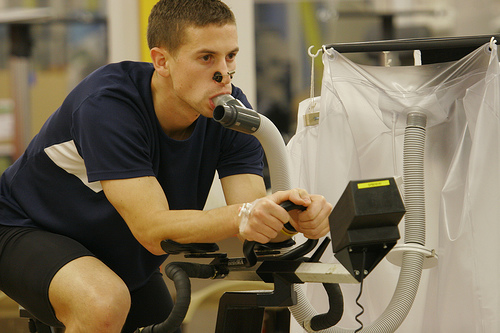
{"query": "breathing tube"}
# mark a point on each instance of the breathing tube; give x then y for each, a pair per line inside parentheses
(232, 114)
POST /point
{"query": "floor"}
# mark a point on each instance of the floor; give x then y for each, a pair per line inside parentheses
(9, 317)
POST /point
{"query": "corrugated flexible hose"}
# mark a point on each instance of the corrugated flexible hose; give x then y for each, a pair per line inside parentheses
(411, 270)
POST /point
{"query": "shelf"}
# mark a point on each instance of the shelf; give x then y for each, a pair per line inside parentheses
(25, 15)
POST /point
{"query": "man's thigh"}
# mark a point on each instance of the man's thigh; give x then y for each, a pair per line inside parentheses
(29, 259)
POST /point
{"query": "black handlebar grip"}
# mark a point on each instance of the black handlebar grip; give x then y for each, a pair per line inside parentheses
(248, 246)
(288, 205)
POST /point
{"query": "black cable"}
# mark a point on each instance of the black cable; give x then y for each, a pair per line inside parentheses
(361, 292)
(332, 317)
(179, 273)
(335, 297)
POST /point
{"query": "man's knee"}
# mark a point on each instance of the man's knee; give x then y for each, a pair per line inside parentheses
(108, 308)
(112, 299)
(88, 296)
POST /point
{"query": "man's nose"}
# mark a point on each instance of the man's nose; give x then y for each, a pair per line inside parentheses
(223, 78)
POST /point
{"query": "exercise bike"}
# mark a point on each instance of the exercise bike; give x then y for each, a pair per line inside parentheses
(364, 228)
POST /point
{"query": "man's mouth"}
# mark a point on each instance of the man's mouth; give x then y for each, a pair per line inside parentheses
(212, 104)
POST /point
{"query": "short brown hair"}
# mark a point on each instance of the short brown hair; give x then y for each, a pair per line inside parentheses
(170, 18)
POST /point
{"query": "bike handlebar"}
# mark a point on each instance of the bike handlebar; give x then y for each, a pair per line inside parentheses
(249, 246)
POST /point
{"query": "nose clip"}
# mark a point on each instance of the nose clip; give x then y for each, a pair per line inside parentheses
(218, 76)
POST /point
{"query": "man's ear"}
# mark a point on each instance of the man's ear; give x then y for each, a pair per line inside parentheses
(159, 57)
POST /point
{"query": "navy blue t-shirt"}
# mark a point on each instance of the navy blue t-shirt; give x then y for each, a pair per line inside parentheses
(107, 129)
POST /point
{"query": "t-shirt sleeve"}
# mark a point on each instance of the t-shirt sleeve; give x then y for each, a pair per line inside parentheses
(239, 95)
(242, 154)
(112, 139)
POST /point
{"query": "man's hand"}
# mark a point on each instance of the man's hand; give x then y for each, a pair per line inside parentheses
(313, 222)
(263, 219)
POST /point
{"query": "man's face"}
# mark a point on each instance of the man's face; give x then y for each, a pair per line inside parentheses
(206, 50)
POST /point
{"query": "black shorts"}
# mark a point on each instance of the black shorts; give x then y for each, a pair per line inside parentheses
(29, 259)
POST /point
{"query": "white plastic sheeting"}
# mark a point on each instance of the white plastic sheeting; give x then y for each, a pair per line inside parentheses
(360, 136)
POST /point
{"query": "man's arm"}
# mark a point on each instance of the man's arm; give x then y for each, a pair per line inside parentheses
(243, 188)
(142, 204)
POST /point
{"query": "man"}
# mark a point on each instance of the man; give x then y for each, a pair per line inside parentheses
(127, 161)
